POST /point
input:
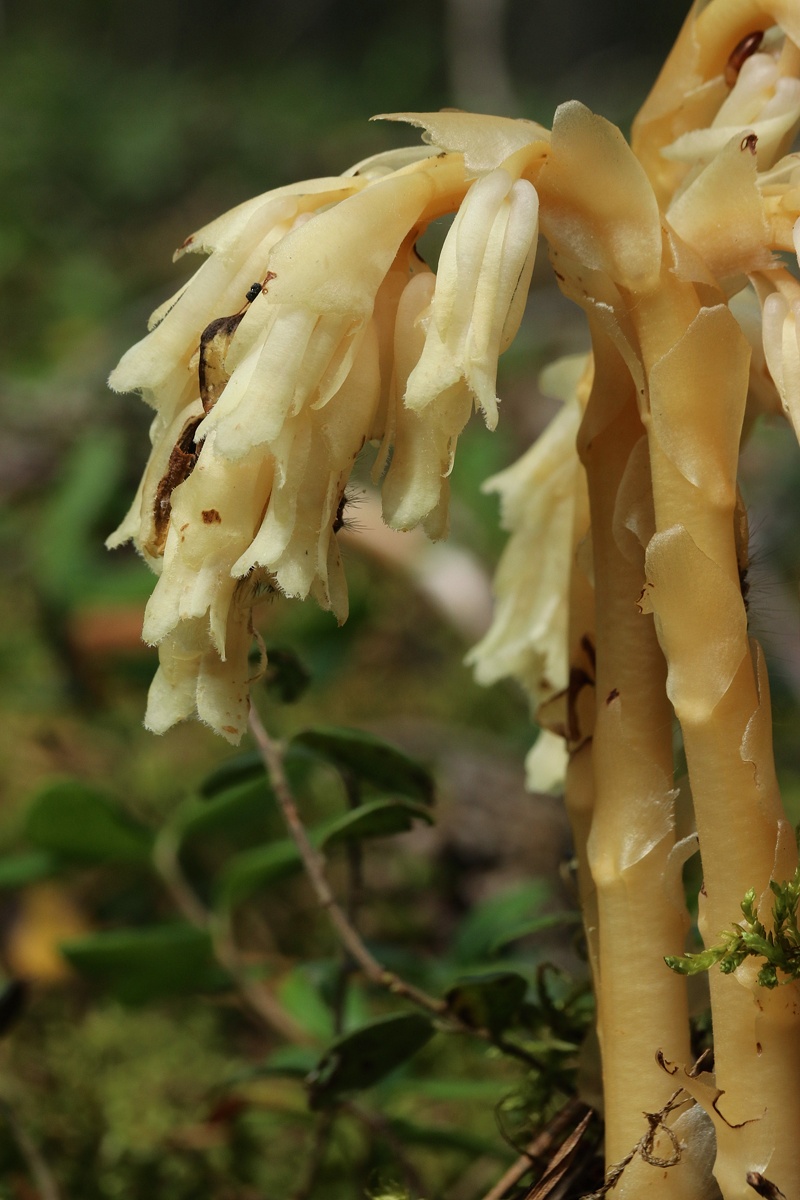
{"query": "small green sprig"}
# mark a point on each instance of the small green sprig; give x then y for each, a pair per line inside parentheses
(780, 946)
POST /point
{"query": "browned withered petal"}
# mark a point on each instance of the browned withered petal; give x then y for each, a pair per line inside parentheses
(560, 1163)
(180, 466)
(215, 342)
(764, 1187)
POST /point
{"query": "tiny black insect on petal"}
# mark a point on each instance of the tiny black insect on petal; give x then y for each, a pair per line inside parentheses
(338, 520)
(348, 500)
(253, 291)
(744, 587)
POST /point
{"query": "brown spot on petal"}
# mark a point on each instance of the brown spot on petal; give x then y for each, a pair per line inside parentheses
(612, 695)
(740, 53)
(215, 342)
(645, 602)
(749, 143)
(181, 463)
(578, 680)
(211, 516)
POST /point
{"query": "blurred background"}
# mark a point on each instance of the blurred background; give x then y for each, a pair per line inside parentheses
(124, 127)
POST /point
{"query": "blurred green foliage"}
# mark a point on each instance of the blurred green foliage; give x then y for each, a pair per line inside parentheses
(188, 1088)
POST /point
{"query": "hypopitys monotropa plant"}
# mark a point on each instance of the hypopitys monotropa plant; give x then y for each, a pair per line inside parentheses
(313, 327)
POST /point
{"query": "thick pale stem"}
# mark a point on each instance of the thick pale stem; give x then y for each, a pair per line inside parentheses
(641, 913)
(697, 387)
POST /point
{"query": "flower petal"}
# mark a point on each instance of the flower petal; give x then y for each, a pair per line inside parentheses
(481, 286)
(415, 488)
(484, 141)
(299, 347)
(528, 636)
(721, 214)
(600, 207)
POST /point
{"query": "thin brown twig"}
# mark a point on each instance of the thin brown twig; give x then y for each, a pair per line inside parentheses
(355, 891)
(314, 863)
(538, 1147)
(258, 999)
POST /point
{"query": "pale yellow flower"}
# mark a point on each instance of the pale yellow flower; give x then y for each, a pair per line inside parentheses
(527, 640)
(481, 286)
(779, 293)
(486, 142)
(763, 101)
(239, 245)
(546, 764)
(415, 489)
(295, 344)
(721, 215)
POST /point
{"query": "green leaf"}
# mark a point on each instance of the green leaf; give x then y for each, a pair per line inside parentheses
(487, 1001)
(293, 1061)
(142, 964)
(378, 818)
(483, 1092)
(370, 759)
(64, 552)
(243, 768)
(300, 994)
(18, 870)
(443, 1138)
(533, 927)
(363, 1058)
(244, 803)
(254, 869)
(489, 921)
(79, 823)
(240, 769)
(263, 866)
(693, 964)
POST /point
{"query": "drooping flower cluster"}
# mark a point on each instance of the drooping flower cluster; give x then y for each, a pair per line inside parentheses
(313, 328)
